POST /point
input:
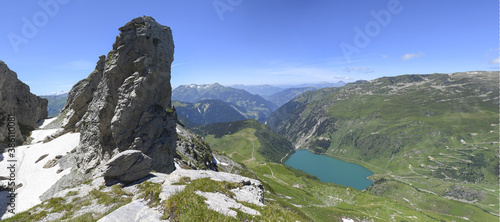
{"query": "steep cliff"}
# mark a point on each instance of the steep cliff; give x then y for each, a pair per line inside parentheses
(17, 100)
(125, 103)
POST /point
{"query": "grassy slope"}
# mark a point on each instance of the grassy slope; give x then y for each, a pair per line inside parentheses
(269, 144)
(421, 144)
(326, 202)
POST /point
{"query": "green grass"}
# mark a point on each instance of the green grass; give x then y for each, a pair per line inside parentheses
(330, 202)
(188, 206)
(262, 140)
(72, 193)
(150, 192)
(115, 198)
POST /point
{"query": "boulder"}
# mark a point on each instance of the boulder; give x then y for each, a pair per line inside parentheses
(128, 166)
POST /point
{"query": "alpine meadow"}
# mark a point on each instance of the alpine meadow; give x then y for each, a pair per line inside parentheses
(236, 110)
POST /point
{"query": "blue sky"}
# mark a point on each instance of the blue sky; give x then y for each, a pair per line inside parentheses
(52, 44)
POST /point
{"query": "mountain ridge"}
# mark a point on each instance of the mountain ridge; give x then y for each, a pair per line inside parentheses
(440, 128)
(207, 112)
(255, 106)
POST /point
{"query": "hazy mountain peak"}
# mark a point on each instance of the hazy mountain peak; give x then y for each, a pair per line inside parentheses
(58, 93)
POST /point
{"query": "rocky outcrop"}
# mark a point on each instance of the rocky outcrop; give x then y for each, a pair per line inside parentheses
(128, 166)
(79, 99)
(135, 211)
(249, 190)
(463, 193)
(17, 100)
(192, 151)
(130, 108)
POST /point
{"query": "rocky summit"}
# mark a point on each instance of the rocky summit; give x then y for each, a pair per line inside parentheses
(17, 100)
(126, 102)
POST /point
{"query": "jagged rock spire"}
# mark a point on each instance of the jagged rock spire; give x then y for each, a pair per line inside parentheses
(130, 108)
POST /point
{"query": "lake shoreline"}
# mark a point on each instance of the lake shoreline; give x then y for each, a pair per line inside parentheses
(350, 174)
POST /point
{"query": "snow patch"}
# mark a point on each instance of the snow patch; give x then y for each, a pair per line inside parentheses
(44, 122)
(34, 178)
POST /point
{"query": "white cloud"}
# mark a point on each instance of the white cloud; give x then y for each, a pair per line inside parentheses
(384, 56)
(76, 65)
(412, 56)
(495, 61)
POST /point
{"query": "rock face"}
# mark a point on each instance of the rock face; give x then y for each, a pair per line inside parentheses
(80, 97)
(128, 166)
(16, 99)
(192, 151)
(130, 108)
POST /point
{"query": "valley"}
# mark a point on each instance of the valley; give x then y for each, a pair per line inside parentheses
(324, 201)
(439, 146)
(432, 157)
(250, 111)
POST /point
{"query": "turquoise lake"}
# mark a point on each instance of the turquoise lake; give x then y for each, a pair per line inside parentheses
(329, 170)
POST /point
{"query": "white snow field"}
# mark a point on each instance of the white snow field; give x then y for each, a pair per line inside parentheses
(34, 178)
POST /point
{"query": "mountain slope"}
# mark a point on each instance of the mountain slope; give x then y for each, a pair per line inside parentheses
(427, 131)
(261, 90)
(326, 201)
(255, 106)
(267, 143)
(206, 112)
(285, 96)
(277, 117)
(56, 103)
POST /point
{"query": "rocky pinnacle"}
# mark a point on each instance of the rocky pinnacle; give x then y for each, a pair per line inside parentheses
(130, 108)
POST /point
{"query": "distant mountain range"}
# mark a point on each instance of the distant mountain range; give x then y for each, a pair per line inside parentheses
(252, 106)
(252, 102)
(268, 90)
(62, 92)
(57, 101)
(235, 99)
(286, 95)
(261, 90)
(207, 112)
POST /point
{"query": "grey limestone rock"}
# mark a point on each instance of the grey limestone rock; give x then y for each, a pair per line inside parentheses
(131, 105)
(17, 100)
(128, 166)
(136, 211)
(192, 151)
(79, 98)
